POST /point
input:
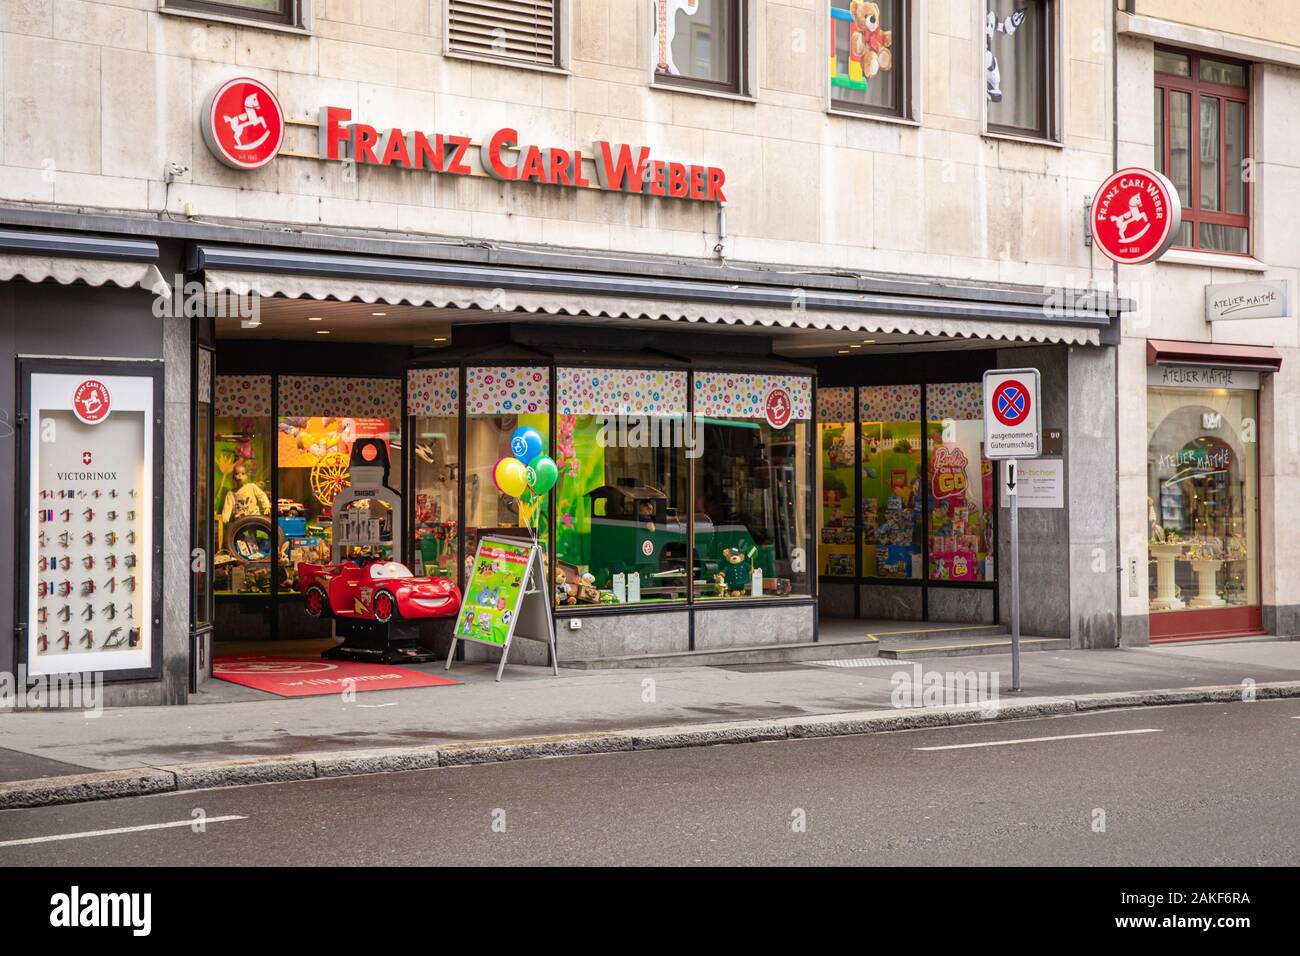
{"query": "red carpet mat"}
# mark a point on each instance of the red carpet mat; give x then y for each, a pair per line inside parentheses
(312, 676)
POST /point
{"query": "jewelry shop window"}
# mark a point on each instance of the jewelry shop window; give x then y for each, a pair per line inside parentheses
(752, 481)
(623, 437)
(1203, 508)
(433, 400)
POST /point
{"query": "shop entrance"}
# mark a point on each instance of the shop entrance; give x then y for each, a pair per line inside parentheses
(684, 483)
(908, 520)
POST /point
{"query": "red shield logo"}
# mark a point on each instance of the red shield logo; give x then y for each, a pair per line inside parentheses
(90, 401)
(778, 408)
(1136, 216)
(243, 124)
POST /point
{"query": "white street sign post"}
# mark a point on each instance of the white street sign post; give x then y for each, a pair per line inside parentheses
(1013, 428)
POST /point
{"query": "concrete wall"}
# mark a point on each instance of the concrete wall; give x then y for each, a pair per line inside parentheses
(1277, 21)
(99, 96)
(1171, 298)
(51, 320)
(1044, 532)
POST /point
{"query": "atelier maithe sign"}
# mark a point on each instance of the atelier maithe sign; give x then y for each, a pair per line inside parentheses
(243, 126)
(1264, 299)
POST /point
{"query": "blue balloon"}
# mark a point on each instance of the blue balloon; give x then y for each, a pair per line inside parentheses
(526, 443)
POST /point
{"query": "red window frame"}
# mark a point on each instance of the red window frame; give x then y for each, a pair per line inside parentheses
(1195, 88)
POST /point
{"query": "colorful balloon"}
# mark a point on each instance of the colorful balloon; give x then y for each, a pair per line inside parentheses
(526, 443)
(542, 474)
(509, 475)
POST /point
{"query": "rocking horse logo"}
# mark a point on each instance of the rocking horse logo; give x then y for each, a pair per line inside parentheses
(1134, 215)
(244, 124)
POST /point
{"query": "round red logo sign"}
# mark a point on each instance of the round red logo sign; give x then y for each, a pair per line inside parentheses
(1010, 403)
(243, 124)
(1136, 216)
(90, 401)
(778, 408)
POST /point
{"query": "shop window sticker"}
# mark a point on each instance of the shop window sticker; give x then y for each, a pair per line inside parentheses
(497, 390)
(433, 391)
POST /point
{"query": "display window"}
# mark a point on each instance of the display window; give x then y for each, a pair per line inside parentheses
(837, 490)
(89, 582)
(433, 399)
(959, 513)
(1202, 511)
(319, 420)
(890, 429)
(241, 483)
(623, 436)
(751, 507)
(498, 401)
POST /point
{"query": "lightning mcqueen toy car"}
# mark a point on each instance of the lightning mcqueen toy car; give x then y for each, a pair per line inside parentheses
(380, 590)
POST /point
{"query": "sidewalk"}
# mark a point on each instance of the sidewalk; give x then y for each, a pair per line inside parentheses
(238, 724)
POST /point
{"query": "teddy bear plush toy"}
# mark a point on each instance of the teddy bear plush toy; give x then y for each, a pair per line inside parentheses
(736, 571)
(867, 42)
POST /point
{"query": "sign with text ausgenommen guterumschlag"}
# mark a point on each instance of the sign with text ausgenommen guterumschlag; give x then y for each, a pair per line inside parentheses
(1012, 416)
(492, 595)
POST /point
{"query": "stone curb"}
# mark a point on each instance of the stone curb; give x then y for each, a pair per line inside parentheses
(84, 787)
(111, 784)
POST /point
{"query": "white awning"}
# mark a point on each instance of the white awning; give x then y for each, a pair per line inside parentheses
(968, 324)
(93, 272)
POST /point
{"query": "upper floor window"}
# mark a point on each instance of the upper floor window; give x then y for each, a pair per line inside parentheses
(700, 44)
(1205, 101)
(1020, 67)
(868, 50)
(287, 12)
(526, 31)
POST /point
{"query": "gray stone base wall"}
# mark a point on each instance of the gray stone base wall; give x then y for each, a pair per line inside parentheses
(1134, 631)
(1282, 619)
(961, 605)
(835, 598)
(754, 626)
(890, 602)
(620, 635)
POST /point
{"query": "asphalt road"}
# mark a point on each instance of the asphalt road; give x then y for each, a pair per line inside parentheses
(1191, 785)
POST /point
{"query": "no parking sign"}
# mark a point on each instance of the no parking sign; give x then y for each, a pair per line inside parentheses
(1012, 419)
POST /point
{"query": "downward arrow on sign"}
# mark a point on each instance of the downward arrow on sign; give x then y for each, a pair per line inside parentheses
(1011, 475)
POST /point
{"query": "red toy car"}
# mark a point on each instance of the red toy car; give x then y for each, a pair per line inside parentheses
(380, 591)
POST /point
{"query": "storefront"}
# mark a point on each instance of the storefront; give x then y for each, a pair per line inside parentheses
(909, 521)
(685, 477)
(732, 471)
(1203, 489)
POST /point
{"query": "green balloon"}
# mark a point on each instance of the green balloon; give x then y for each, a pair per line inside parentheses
(542, 474)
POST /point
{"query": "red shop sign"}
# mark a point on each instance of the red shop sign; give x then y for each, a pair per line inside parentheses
(778, 408)
(1136, 216)
(90, 402)
(243, 124)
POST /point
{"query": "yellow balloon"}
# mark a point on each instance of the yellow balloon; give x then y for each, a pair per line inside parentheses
(511, 476)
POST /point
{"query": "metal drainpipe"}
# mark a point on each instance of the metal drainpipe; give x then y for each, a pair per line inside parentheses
(1130, 7)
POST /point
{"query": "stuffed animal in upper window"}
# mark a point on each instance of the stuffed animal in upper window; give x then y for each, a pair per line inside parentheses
(992, 72)
(869, 44)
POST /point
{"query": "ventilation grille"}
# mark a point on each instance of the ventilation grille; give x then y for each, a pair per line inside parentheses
(521, 30)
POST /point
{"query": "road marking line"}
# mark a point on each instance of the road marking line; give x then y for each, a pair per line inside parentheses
(1037, 740)
(140, 829)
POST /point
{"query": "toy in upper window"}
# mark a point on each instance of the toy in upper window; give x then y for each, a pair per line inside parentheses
(1007, 26)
